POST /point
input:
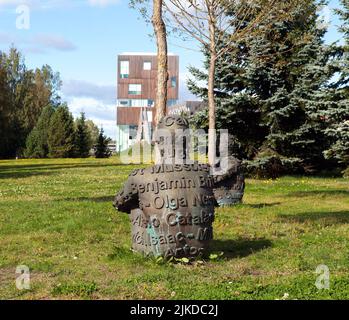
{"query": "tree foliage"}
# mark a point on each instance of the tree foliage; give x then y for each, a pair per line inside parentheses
(83, 142)
(24, 94)
(101, 149)
(272, 91)
(337, 115)
(61, 134)
(93, 132)
(37, 142)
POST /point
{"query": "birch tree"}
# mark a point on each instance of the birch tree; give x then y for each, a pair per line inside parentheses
(153, 13)
(162, 60)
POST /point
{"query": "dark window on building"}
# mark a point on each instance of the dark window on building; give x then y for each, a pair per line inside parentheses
(133, 132)
(173, 82)
(171, 102)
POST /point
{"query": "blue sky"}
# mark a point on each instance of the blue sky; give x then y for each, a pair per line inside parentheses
(81, 39)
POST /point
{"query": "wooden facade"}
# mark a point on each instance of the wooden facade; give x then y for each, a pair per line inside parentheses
(131, 115)
(147, 78)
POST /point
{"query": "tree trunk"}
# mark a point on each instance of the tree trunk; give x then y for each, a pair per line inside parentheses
(162, 75)
(211, 98)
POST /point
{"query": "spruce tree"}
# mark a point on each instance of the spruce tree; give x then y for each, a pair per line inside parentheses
(337, 114)
(238, 110)
(37, 141)
(82, 138)
(268, 91)
(32, 145)
(344, 29)
(61, 134)
(299, 93)
(101, 148)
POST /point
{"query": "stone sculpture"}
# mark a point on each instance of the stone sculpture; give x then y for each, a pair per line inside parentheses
(229, 188)
(171, 205)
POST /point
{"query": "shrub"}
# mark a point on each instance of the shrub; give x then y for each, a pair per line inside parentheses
(269, 164)
(346, 173)
(101, 149)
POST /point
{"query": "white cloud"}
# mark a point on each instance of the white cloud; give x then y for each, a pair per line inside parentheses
(50, 41)
(51, 4)
(56, 42)
(13, 2)
(38, 43)
(97, 101)
(102, 3)
(83, 89)
(103, 115)
(31, 3)
(184, 93)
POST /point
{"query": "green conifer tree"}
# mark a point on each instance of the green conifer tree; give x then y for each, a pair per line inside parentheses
(101, 149)
(337, 114)
(268, 91)
(344, 29)
(82, 138)
(37, 141)
(61, 134)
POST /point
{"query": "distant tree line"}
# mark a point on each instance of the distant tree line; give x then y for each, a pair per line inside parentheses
(283, 93)
(34, 123)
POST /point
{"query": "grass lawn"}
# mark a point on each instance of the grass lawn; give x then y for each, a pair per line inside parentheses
(56, 217)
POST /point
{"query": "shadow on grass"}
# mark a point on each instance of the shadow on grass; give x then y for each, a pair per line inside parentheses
(239, 248)
(325, 218)
(23, 171)
(23, 174)
(57, 166)
(261, 205)
(90, 199)
(325, 193)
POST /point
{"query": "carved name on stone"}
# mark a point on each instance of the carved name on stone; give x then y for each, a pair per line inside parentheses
(171, 209)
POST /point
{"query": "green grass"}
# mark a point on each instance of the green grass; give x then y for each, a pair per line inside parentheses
(56, 217)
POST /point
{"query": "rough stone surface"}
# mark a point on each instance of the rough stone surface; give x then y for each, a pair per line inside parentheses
(171, 209)
(171, 205)
(229, 188)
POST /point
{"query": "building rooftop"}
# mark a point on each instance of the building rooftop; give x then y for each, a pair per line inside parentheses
(142, 54)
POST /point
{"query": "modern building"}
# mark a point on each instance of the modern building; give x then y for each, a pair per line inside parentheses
(112, 147)
(136, 95)
(187, 107)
